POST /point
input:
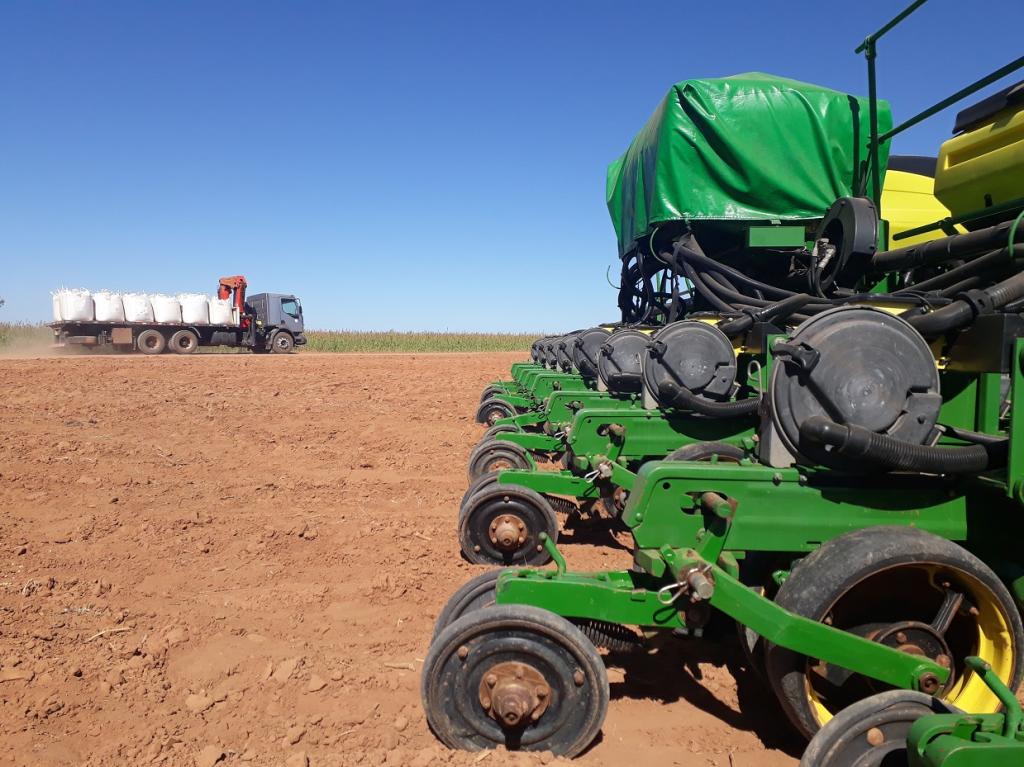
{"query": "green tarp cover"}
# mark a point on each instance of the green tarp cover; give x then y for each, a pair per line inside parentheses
(745, 148)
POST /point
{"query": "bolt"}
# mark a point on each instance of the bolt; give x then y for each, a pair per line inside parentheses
(476, 548)
(901, 637)
(463, 652)
(522, 526)
(928, 683)
(491, 680)
(578, 677)
(875, 736)
(519, 672)
(540, 548)
(540, 692)
(943, 660)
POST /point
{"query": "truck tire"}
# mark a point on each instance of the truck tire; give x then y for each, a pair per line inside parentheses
(282, 342)
(151, 342)
(184, 342)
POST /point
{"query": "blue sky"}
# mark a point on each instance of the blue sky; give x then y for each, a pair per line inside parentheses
(406, 165)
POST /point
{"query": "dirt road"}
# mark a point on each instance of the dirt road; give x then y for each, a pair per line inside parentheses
(238, 560)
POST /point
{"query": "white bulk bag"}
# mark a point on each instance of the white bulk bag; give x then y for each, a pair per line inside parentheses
(137, 307)
(108, 307)
(166, 308)
(76, 305)
(55, 299)
(194, 309)
(221, 312)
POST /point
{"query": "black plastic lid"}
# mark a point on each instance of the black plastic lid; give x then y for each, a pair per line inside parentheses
(987, 108)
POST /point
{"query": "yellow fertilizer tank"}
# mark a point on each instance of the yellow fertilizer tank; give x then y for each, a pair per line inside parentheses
(908, 200)
(983, 164)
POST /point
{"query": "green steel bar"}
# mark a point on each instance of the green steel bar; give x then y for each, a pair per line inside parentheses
(1013, 66)
(963, 217)
(808, 637)
(871, 39)
(1014, 715)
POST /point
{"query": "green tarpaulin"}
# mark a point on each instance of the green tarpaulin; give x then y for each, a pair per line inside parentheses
(745, 148)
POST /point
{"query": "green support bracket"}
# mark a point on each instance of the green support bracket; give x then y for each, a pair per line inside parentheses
(698, 578)
(550, 482)
(540, 443)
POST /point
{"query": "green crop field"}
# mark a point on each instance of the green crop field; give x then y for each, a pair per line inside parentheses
(15, 337)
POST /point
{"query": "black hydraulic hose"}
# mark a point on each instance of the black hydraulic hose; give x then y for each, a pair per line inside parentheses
(671, 394)
(973, 267)
(860, 444)
(945, 248)
(782, 309)
(963, 311)
(706, 292)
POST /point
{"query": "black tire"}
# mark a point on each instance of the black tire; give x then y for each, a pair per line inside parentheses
(484, 480)
(872, 732)
(183, 342)
(501, 428)
(872, 579)
(151, 341)
(495, 514)
(492, 391)
(475, 594)
(282, 342)
(705, 451)
(467, 651)
(492, 409)
(496, 455)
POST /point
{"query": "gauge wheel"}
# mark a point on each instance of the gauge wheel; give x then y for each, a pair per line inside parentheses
(872, 732)
(475, 594)
(514, 676)
(910, 590)
(496, 455)
(501, 525)
(493, 409)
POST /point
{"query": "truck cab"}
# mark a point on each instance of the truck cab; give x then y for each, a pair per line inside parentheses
(278, 318)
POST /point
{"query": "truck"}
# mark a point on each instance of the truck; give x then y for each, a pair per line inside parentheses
(262, 322)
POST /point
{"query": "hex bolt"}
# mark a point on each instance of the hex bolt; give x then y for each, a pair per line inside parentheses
(540, 692)
(491, 680)
(901, 637)
(875, 736)
(578, 677)
(928, 683)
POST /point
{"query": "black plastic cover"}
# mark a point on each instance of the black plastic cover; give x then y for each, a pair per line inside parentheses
(587, 349)
(620, 364)
(695, 355)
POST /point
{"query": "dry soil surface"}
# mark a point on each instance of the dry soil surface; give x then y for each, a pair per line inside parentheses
(228, 559)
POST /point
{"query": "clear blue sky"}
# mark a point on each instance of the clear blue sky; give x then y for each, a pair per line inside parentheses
(411, 165)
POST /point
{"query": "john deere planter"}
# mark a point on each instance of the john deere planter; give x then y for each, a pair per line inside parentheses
(859, 390)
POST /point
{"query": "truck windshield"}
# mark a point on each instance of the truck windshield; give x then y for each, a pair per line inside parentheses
(290, 307)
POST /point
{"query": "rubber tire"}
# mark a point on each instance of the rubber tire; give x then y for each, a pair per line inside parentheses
(442, 696)
(501, 428)
(488, 451)
(491, 407)
(183, 342)
(475, 594)
(484, 480)
(704, 451)
(151, 341)
(492, 391)
(843, 739)
(529, 555)
(282, 342)
(836, 566)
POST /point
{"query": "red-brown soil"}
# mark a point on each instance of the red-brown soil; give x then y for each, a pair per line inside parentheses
(228, 559)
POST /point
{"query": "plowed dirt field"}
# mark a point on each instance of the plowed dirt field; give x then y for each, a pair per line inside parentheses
(229, 559)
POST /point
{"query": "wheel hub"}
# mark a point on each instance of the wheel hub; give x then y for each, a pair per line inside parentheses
(514, 693)
(916, 638)
(507, 532)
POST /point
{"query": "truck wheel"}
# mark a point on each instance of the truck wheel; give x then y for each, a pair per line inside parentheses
(151, 342)
(184, 342)
(282, 343)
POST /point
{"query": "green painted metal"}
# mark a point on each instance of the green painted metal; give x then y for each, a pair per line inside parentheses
(970, 740)
(551, 482)
(776, 236)
(1015, 463)
(540, 443)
